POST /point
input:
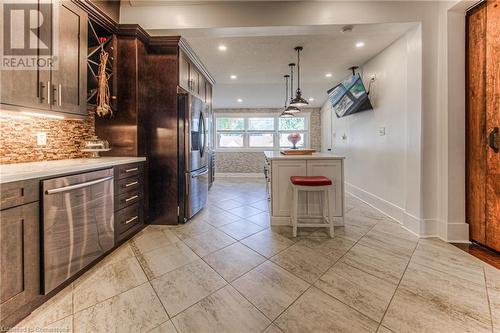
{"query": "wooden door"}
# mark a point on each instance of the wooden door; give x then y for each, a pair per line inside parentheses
(194, 80)
(29, 87)
(184, 71)
(19, 258)
(69, 79)
(483, 122)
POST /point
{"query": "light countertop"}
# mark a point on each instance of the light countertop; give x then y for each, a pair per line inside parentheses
(276, 155)
(21, 171)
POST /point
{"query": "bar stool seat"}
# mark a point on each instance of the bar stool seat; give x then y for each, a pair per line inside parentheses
(311, 184)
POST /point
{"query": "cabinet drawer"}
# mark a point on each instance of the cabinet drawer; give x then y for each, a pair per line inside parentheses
(129, 217)
(18, 193)
(128, 198)
(128, 184)
(127, 170)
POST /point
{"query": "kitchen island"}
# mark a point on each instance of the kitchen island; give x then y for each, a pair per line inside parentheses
(278, 170)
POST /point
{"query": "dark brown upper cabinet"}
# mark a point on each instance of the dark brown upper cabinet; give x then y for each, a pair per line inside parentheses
(63, 88)
(190, 77)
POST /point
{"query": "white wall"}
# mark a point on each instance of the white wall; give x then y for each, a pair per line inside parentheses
(384, 170)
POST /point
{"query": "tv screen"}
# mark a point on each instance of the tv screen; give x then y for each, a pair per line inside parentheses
(349, 97)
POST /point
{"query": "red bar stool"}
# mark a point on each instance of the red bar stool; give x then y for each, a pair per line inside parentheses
(311, 184)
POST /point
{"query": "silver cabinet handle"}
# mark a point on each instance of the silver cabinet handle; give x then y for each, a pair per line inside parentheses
(131, 198)
(49, 94)
(131, 184)
(59, 97)
(132, 169)
(131, 219)
(77, 186)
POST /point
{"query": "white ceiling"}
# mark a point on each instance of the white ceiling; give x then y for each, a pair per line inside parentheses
(259, 56)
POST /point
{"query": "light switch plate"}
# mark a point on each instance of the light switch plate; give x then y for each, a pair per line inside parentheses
(381, 131)
(41, 138)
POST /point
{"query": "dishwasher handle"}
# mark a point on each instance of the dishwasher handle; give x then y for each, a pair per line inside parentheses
(77, 186)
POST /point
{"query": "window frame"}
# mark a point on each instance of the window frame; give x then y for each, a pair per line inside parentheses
(246, 132)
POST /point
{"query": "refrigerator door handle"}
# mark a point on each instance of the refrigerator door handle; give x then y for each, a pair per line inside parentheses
(202, 135)
(205, 171)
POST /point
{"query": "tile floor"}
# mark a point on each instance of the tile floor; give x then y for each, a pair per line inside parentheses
(228, 271)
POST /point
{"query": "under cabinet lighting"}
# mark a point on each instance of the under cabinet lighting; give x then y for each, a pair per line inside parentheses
(41, 115)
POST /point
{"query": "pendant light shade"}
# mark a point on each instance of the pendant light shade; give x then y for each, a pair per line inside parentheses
(285, 113)
(291, 108)
(298, 100)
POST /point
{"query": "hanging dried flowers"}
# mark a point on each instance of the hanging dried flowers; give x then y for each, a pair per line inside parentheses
(103, 95)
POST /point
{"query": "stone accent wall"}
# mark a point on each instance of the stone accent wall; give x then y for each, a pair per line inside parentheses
(253, 162)
(18, 136)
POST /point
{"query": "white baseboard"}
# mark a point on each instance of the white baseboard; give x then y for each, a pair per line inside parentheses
(241, 175)
(424, 228)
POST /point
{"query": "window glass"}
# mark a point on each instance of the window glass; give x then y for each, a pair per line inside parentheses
(261, 140)
(231, 140)
(292, 124)
(230, 124)
(285, 143)
(261, 124)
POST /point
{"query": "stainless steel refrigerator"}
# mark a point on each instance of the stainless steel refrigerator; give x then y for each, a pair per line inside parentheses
(193, 164)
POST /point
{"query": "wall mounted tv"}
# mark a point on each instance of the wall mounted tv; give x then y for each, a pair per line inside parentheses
(349, 96)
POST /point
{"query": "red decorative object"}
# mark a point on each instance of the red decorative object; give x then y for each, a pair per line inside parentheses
(310, 180)
(294, 138)
(102, 40)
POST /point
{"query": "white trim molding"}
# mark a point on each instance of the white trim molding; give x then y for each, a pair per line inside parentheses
(423, 228)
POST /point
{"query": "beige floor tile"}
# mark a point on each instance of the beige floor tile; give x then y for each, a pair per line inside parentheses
(103, 282)
(304, 262)
(494, 299)
(394, 228)
(166, 259)
(273, 329)
(186, 285)
(267, 242)
(137, 310)
(192, 228)
(364, 217)
(221, 219)
(152, 238)
(383, 329)
(241, 229)
(381, 263)
(166, 327)
(351, 232)
(316, 312)
(263, 219)
(263, 205)
(58, 307)
(270, 288)
(233, 261)
(225, 311)
(332, 248)
(245, 211)
(380, 240)
(285, 231)
(228, 204)
(123, 252)
(429, 300)
(364, 292)
(208, 242)
(446, 258)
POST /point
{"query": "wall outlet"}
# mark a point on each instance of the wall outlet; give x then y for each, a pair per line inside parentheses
(41, 138)
(381, 131)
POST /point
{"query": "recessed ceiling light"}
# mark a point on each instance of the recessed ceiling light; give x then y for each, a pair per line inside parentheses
(311, 99)
(239, 100)
(360, 44)
(233, 77)
(222, 47)
(328, 74)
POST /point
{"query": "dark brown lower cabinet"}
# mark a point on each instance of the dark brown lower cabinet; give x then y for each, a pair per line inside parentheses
(19, 258)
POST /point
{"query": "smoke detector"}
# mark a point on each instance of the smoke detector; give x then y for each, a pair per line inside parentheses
(346, 28)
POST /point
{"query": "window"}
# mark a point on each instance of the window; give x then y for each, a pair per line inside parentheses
(257, 132)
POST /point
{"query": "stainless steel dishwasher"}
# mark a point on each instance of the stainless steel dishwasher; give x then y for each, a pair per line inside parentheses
(78, 224)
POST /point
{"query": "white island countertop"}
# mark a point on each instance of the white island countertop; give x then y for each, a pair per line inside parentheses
(277, 155)
(22, 171)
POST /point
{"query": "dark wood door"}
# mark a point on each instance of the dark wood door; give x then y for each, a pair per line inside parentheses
(29, 87)
(483, 122)
(184, 71)
(69, 79)
(19, 258)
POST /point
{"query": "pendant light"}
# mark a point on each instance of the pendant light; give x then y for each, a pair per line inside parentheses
(291, 108)
(285, 113)
(298, 101)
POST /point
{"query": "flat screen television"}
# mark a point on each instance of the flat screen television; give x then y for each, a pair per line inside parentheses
(349, 96)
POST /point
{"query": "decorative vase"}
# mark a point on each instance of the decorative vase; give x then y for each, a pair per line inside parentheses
(294, 138)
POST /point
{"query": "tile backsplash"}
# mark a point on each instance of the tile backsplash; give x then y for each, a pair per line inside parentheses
(18, 138)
